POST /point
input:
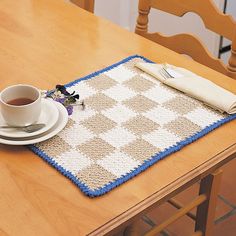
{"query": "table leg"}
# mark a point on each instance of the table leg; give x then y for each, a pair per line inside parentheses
(206, 211)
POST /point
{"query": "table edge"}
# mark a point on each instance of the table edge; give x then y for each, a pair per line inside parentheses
(166, 193)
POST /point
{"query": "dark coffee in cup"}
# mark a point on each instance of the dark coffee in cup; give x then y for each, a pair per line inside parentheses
(20, 101)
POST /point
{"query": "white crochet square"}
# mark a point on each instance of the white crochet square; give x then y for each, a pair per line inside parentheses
(120, 74)
(119, 93)
(76, 135)
(161, 138)
(83, 89)
(118, 163)
(79, 115)
(119, 113)
(73, 161)
(161, 115)
(203, 117)
(159, 94)
(118, 137)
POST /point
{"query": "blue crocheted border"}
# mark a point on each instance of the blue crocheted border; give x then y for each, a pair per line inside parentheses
(108, 187)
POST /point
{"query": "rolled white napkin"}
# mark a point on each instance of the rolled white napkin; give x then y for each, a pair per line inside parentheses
(194, 86)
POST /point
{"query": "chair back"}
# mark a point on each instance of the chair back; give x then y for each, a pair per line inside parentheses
(189, 44)
(85, 4)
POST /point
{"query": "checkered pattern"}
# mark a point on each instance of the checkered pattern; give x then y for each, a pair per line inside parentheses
(129, 119)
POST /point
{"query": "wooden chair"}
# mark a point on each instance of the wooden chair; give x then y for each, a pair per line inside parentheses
(192, 46)
(205, 202)
(188, 44)
(85, 4)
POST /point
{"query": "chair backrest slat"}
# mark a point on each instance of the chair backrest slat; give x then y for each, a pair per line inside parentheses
(213, 19)
(88, 5)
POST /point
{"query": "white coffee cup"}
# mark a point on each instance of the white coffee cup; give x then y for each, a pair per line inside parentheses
(20, 104)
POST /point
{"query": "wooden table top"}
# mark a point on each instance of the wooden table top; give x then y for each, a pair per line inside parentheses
(48, 42)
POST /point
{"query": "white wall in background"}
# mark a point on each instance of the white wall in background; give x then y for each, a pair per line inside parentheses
(124, 13)
(117, 11)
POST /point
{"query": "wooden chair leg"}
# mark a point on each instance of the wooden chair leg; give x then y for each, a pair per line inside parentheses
(232, 59)
(85, 4)
(132, 230)
(198, 233)
(206, 211)
(180, 213)
(206, 205)
(178, 205)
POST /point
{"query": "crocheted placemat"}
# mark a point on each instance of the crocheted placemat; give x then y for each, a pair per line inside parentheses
(130, 122)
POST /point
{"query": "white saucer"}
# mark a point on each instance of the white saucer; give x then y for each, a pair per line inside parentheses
(60, 124)
(49, 116)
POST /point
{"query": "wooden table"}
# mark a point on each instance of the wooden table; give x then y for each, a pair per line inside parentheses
(48, 42)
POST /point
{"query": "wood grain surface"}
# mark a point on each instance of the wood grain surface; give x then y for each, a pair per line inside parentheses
(48, 42)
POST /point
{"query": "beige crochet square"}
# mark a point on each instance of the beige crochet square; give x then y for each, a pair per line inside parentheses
(101, 82)
(140, 150)
(140, 104)
(139, 84)
(54, 146)
(140, 125)
(98, 124)
(182, 127)
(70, 123)
(95, 148)
(181, 105)
(100, 102)
(131, 65)
(95, 176)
